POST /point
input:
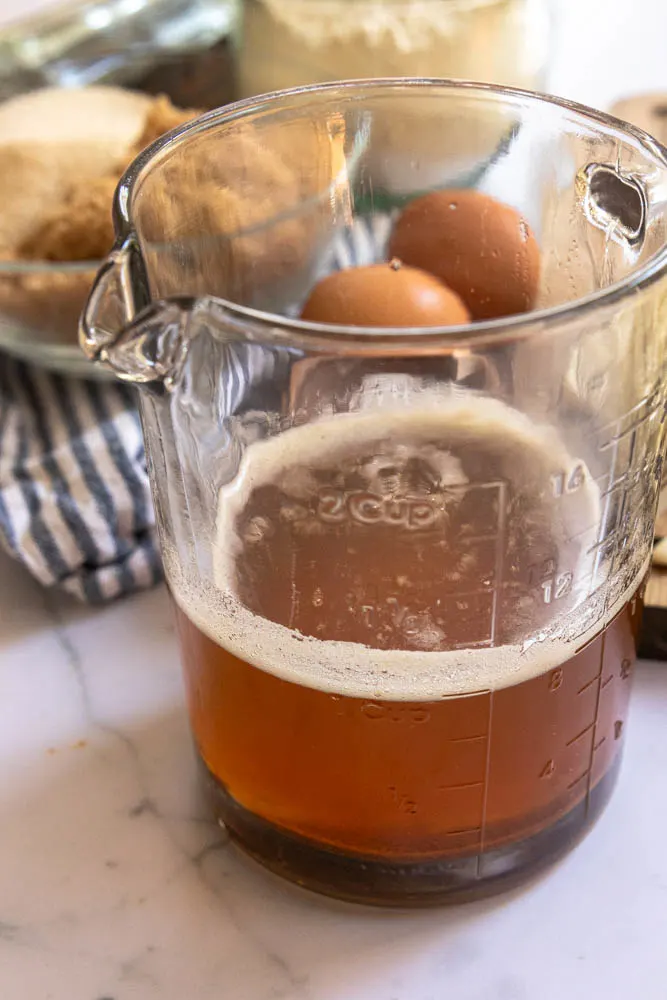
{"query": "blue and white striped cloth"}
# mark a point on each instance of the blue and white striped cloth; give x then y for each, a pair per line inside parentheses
(75, 505)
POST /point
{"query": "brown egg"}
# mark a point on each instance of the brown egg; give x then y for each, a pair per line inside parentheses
(482, 249)
(390, 295)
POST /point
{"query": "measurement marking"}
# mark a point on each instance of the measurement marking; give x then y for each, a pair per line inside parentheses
(468, 694)
(639, 415)
(605, 541)
(468, 784)
(493, 485)
(578, 780)
(607, 681)
(580, 735)
(613, 470)
(294, 597)
(626, 669)
(482, 644)
(468, 739)
(649, 404)
(608, 444)
(479, 538)
(630, 478)
(633, 427)
(485, 793)
(590, 684)
(596, 713)
(481, 591)
(584, 531)
(498, 568)
(458, 833)
(599, 744)
(591, 585)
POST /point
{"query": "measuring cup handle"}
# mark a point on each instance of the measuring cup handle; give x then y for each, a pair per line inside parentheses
(121, 329)
(615, 202)
(120, 291)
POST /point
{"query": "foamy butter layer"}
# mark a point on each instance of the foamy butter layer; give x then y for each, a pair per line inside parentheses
(348, 668)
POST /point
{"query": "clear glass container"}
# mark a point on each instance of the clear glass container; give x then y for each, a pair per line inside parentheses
(407, 564)
(182, 48)
(291, 43)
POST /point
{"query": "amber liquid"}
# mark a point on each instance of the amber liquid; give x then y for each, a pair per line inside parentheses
(322, 785)
(406, 781)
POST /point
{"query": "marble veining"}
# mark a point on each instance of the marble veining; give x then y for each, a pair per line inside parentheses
(116, 885)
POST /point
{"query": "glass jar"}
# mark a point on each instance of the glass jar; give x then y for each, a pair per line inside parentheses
(290, 43)
(407, 564)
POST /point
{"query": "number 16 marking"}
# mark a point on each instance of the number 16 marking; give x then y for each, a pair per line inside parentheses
(568, 482)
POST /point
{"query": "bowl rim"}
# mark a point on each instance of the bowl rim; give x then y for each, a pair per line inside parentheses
(21, 265)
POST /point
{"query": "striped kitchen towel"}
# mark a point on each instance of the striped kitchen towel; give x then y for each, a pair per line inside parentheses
(75, 505)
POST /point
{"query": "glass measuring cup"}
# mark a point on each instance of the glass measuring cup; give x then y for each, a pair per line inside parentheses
(407, 565)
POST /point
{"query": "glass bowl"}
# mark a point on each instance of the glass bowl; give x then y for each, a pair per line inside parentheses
(40, 304)
(182, 48)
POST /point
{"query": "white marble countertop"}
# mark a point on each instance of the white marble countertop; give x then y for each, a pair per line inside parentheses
(115, 884)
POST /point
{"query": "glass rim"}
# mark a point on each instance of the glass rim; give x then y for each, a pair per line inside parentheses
(479, 331)
(26, 267)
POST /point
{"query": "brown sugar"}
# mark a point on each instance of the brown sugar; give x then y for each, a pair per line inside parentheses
(162, 117)
(35, 178)
(242, 217)
(57, 206)
(79, 228)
